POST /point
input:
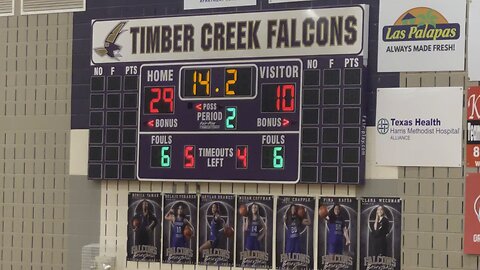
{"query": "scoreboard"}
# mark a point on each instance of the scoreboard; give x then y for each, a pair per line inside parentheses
(235, 120)
(273, 97)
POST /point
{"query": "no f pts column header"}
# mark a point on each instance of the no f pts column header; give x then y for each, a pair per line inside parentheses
(328, 31)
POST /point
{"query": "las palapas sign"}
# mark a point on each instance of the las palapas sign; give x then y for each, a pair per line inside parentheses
(327, 31)
(415, 129)
(421, 35)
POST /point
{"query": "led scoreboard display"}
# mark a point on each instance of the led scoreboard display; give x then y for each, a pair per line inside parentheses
(266, 96)
(234, 121)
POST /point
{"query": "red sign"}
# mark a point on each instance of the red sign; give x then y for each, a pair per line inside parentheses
(473, 127)
(471, 237)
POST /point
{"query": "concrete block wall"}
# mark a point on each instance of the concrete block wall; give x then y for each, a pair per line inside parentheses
(34, 136)
(434, 200)
(40, 206)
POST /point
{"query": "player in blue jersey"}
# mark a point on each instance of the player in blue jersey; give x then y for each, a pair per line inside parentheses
(294, 225)
(216, 228)
(179, 222)
(143, 224)
(337, 231)
(254, 228)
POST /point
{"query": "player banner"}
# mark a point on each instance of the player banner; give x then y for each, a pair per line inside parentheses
(216, 229)
(254, 231)
(380, 233)
(337, 233)
(144, 227)
(294, 226)
(180, 228)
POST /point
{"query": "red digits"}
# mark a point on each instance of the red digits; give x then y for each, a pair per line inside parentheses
(291, 107)
(154, 100)
(189, 156)
(242, 157)
(161, 99)
(285, 93)
(167, 96)
(278, 98)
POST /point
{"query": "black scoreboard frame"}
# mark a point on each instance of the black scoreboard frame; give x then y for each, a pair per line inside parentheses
(310, 171)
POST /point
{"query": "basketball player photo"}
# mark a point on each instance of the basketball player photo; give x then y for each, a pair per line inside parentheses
(144, 226)
(254, 231)
(216, 229)
(180, 228)
(380, 237)
(337, 233)
(294, 224)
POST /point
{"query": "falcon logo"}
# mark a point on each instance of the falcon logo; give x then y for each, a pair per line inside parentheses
(476, 208)
(109, 47)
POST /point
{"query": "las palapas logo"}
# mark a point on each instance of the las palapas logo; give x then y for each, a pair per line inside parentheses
(420, 24)
(110, 47)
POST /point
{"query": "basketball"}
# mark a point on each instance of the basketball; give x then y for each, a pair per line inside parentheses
(228, 231)
(323, 211)
(187, 232)
(242, 210)
(301, 212)
(135, 223)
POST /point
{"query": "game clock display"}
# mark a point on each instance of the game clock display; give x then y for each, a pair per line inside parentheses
(197, 82)
(235, 121)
